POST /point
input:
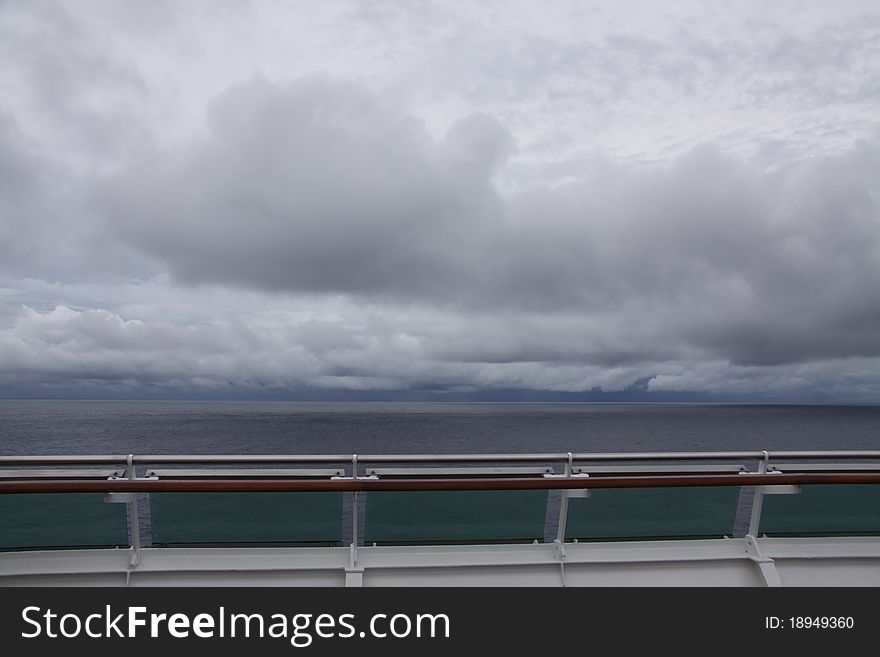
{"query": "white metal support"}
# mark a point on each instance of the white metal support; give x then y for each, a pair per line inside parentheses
(564, 497)
(134, 528)
(559, 552)
(354, 503)
(758, 502)
(354, 574)
(765, 564)
(563, 505)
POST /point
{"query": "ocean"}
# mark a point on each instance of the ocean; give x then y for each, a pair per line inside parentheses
(160, 427)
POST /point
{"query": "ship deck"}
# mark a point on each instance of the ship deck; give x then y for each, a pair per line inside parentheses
(628, 519)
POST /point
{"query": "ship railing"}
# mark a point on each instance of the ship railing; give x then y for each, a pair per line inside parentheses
(394, 498)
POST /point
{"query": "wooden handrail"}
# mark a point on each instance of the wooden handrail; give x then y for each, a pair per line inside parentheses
(458, 484)
(555, 457)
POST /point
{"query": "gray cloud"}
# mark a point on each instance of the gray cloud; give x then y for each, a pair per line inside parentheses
(25, 210)
(98, 350)
(78, 92)
(318, 187)
(444, 196)
(315, 186)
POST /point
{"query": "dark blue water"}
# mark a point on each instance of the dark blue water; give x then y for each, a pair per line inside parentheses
(83, 427)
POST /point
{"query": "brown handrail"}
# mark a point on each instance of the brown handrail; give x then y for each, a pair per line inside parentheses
(155, 459)
(343, 485)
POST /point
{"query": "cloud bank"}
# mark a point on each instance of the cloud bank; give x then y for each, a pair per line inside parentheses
(422, 225)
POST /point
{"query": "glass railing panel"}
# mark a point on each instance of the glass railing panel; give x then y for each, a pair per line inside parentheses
(61, 520)
(852, 509)
(455, 517)
(645, 513)
(246, 518)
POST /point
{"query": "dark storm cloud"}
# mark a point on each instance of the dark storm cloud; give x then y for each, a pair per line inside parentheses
(319, 187)
(315, 186)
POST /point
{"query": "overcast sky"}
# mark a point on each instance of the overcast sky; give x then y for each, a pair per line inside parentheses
(224, 198)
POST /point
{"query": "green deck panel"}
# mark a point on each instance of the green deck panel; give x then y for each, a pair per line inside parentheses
(455, 517)
(641, 513)
(246, 518)
(823, 509)
(61, 520)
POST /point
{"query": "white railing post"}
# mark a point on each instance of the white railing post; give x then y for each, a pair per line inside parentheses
(134, 525)
(758, 501)
(563, 504)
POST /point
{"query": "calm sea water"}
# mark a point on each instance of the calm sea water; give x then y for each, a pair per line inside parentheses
(97, 427)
